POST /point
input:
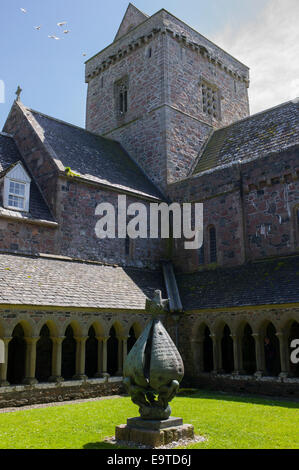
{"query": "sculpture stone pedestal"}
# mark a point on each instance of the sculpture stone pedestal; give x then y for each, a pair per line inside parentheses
(154, 433)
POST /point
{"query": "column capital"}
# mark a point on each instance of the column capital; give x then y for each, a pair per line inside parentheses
(57, 339)
(6, 339)
(31, 339)
(81, 339)
(104, 339)
(124, 338)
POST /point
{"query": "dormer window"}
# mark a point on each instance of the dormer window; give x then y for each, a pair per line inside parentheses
(17, 189)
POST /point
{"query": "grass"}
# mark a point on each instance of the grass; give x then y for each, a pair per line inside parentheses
(227, 422)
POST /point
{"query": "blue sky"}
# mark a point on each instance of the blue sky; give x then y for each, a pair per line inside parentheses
(51, 73)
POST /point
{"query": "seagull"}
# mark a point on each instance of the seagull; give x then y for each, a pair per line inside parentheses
(54, 37)
(62, 23)
(66, 31)
(37, 28)
(23, 10)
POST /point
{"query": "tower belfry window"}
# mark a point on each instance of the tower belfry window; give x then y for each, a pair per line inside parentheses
(210, 100)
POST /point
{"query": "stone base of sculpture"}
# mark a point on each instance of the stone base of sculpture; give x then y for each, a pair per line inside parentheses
(154, 433)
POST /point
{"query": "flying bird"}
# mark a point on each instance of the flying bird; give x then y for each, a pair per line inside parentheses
(66, 31)
(54, 37)
(37, 28)
(62, 23)
(84, 54)
(23, 10)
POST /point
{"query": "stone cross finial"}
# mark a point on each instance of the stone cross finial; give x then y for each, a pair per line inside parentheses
(18, 93)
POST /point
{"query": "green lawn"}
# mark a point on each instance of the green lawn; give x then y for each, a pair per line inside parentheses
(227, 422)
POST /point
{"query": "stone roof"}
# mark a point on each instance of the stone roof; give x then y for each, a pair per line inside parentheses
(270, 131)
(93, 157)
(259, 283)
(9, 156)
(47, 281)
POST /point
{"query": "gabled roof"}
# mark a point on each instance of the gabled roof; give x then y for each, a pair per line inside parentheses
(9, 158)
(132, 18)
(260, 283)
(93, 158)
(46, 281)
(270, 131)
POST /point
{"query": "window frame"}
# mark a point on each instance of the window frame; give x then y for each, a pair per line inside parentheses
(7, 193)
(204, 106)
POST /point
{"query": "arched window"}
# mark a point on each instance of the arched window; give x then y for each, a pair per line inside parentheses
(121, 94)
(213, 245)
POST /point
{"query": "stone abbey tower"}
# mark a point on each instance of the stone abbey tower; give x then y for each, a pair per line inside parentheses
(160, 89)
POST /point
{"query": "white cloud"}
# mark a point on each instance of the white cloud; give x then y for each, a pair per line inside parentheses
(269, 45)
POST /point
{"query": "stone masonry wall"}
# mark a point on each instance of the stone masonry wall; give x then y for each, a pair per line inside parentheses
(22, 237)
(271, 187)
(76, 236)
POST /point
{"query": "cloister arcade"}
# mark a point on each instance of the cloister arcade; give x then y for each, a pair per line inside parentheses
(51, 352)
(66, 353)
(262, 348)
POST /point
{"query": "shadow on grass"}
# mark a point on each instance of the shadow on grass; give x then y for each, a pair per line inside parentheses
(246, 398)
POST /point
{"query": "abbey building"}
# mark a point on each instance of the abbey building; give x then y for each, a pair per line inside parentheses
(167, 120)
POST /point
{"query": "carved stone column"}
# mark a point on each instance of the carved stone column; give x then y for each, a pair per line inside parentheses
(125, 349)
(3, 367)
(30, 360)
(56, 358)
(238, 359)
(102, 356)
(80, 357)
(259, 355)
(284, 353)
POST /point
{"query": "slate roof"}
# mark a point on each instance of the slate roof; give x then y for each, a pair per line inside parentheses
(53, 282)
(10, 155)
(270, 131)
(94, 157)
(259, 283)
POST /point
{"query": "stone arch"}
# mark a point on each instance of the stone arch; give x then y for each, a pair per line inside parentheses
(227, 350)
(69, 349)
(91, 352)
(248, 349)
(268, 331)
(51, 324)
(44, 350)
(202, 346)
(27, 324)
(17, 350)
(114, 348)
(134, 331)
(75, 323)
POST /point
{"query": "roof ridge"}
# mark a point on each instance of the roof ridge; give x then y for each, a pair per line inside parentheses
(293, 101)
(64, 122)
